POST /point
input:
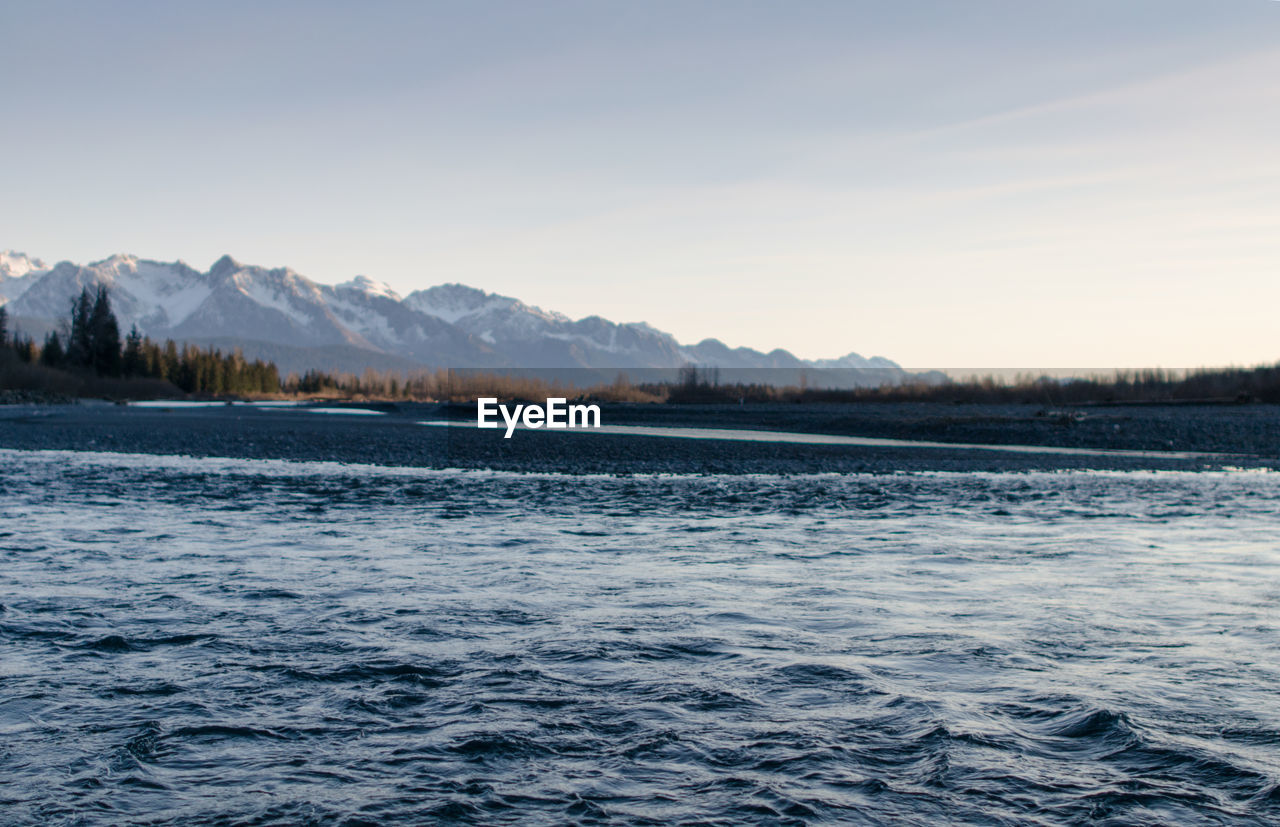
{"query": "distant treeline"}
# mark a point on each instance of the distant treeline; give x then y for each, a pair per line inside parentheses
(457, 386)
(88, 358)
(694, 386)
(89, 351)
(1256, 384)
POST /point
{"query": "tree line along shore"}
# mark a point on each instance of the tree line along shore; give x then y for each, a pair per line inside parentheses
(88, 357)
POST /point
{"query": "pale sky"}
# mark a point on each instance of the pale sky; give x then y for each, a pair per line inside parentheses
(986, 183)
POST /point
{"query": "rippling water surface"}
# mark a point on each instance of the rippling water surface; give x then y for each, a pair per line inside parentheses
(255, 642)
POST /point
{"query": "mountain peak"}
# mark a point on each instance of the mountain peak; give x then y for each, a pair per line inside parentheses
(224, 265)
(453, 301)
(15, 265)
(371, 287)
(459, 292)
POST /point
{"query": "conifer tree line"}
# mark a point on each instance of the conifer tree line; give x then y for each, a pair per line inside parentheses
(90, 343)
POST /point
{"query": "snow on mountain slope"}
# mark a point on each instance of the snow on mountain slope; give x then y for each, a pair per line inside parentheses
(539, 338)
(450, 325)
(482, 313)
(147, 293)
(270, 305)
(455, 302)
(18, 271)
(372, 287)
(152, 294)
(235, 301)
(15, 265)
(171, 299)
(381, 317)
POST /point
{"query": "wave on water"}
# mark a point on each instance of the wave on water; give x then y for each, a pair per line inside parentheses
(269, 642)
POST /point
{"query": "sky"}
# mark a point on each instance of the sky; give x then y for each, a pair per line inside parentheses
(979, 184)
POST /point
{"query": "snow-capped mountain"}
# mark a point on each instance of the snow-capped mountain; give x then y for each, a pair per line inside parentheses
(381, 317)
(18, 272)
(545, 339)
(255, 306)
(285, 316)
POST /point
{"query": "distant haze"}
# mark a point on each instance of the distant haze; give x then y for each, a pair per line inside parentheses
(1003, 184)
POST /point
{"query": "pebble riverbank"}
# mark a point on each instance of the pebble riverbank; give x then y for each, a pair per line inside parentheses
(1244, 436)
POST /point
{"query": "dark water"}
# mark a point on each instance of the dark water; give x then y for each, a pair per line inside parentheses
(258, 642)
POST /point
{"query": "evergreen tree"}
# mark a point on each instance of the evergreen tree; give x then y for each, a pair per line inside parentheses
(154, 358)
(79, 348)
(170, 364)
(104, 336)
(134, 361)
(52, 355)
(4, 325)
(25, 348)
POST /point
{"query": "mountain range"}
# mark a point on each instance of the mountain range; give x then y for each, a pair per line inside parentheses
(277, 314)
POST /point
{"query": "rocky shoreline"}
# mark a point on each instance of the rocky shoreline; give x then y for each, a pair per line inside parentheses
(1239, 436)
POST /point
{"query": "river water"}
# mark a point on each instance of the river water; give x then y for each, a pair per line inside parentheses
(267, 642)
